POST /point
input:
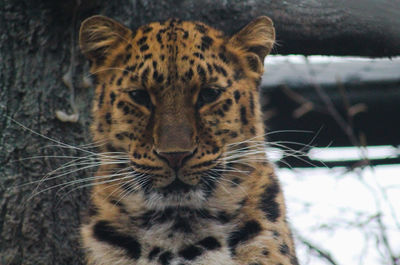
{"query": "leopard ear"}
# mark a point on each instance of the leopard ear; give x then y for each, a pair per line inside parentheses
(98, 34)
(257, 37)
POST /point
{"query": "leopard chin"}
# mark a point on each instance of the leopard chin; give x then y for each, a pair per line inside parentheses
(176, 195)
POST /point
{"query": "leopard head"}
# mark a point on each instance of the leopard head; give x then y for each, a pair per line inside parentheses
(174, 97)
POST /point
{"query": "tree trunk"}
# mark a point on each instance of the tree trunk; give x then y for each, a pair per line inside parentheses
(37, 226)
(39, 222)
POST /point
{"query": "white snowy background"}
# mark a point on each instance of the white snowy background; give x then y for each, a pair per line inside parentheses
(354, 216)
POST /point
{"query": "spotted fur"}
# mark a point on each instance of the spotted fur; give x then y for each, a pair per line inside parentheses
(177, 102)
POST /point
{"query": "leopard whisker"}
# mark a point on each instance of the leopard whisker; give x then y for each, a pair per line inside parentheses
(243, 149)
(45, 178)
(45, 156)
(107, 69)
(244, 164)
(109, 178)
(230, 170)
(139, 181)
(220, 178)
(93, 153)
(219, 182)
(48, 177)
(83, 146)
(97, 183)
(270, 133)
(74, 182)
(246, 154)
(86, 165)
(288, 151)
(287, 154)
(288, 131)
(130, 190)
(64, 145)
(132, 175)
(298, 154)
(279, 144)
(86, 161)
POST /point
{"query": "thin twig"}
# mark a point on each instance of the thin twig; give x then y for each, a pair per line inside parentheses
(382, 229)
(321, 252)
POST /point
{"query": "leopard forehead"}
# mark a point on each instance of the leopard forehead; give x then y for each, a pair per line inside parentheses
(173, 53)
(177, 56)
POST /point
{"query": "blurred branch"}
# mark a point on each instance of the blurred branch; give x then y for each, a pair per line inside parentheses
(383, 236)
(318, 250)
(335, 115)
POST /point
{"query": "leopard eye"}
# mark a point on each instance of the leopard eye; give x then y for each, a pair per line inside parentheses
(207, 95)
(141, 97)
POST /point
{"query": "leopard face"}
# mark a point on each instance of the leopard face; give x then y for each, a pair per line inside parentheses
(174, 98)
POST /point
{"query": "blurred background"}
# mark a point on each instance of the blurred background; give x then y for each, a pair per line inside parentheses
(330, 97)
(334, 137)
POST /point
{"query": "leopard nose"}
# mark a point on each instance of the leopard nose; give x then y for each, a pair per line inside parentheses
(174, 159)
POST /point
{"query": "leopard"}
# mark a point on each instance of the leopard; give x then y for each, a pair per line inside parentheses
(184, 175)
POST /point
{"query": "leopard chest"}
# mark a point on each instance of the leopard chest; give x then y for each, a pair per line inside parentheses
(180, 235)
(176, 227)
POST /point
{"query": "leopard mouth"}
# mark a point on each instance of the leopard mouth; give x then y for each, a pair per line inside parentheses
(179, 193)
(176, 183)
(206, 184)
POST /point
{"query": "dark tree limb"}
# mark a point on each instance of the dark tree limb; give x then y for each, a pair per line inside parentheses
(358, 27)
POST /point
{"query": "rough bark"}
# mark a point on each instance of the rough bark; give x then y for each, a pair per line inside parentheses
(38, 46)
(34, 55)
